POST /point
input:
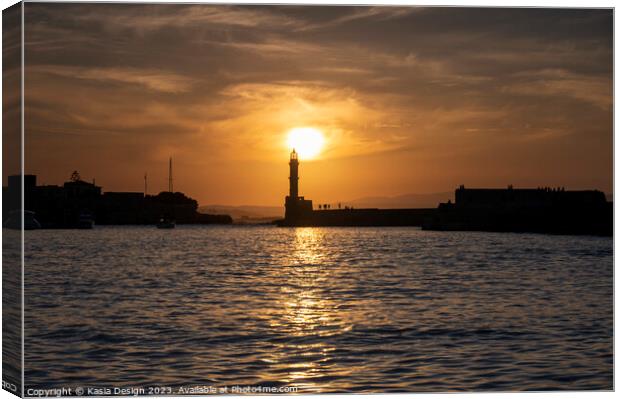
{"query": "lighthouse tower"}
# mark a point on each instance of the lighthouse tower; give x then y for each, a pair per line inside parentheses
(294, 176)
(297, 209)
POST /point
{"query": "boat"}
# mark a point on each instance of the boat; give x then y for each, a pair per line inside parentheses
(165, 223)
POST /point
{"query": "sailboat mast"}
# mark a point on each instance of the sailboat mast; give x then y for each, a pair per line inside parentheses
(170, 176)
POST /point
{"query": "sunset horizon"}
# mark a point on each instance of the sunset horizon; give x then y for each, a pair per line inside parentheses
(408, 100)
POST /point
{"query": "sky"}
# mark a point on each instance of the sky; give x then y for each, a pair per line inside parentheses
(410, 100)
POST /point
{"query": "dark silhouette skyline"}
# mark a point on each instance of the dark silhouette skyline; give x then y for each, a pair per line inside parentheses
(68, 206)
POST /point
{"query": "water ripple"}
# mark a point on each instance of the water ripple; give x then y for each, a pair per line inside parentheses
(321, 309)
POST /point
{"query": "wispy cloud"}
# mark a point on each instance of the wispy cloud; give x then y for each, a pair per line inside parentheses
(156, 80)
(361, 13)
(596, 90)
(149, 18)
(269, 46)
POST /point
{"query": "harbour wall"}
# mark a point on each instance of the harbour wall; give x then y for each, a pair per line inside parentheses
(361, 217)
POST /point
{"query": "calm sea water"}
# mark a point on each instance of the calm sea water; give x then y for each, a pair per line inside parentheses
(319, 309)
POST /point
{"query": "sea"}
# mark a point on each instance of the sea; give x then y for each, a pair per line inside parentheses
(262, 309)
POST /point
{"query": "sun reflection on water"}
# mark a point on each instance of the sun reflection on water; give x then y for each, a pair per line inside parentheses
(307, 314)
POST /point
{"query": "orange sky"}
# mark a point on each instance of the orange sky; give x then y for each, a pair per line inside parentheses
(410, 100)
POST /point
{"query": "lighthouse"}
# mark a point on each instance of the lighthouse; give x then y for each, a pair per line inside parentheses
(294, 175)
(297, 209)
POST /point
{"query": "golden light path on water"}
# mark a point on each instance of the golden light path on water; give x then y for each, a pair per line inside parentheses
(305, 311)
(309, 311)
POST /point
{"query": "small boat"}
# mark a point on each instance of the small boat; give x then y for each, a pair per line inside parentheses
(165, 223)
(14, 221)
(85, 221)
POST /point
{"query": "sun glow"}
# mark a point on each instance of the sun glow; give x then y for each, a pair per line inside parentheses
(307, 141)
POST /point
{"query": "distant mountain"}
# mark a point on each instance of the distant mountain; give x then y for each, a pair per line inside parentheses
(402, 201)
(245, 212)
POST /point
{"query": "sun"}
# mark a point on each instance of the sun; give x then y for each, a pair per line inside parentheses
(307, 141)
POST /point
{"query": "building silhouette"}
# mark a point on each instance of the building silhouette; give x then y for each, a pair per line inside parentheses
(63, 206)
(537, 210)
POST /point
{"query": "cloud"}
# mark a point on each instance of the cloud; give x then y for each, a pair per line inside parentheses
(269, 46)
(560, 82)
(146, 19)
(361, 13)
(155, 80)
